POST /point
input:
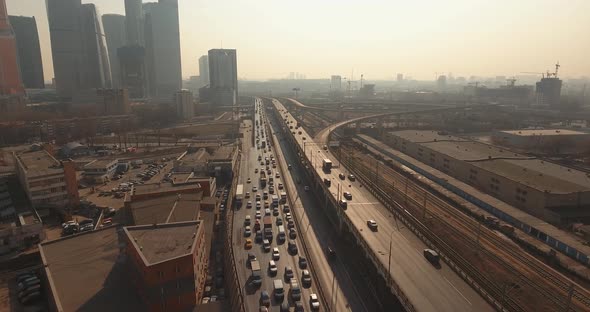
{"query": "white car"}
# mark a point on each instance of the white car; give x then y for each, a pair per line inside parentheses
(249, 180)
(306, 188)
(314, 302)
(275, 254)
(254, 189)
(258, 215)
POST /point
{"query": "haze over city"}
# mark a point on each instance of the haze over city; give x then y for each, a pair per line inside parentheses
(377, 37)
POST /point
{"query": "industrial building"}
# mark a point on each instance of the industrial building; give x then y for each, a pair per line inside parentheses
(47, 182)
(100, 171)
(29, 51)
(543, 189)
(552, 141)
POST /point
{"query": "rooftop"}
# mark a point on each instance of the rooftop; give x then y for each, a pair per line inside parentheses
(167, 208)
(99, 164)
(161, 242)
(39, 163)
(544, 132)
(86, 273)
(155, 188)
(535, 173)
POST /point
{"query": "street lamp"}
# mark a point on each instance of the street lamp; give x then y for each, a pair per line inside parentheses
(390, 243)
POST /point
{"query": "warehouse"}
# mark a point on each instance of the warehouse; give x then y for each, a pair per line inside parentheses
(546, 190)
(554, 141)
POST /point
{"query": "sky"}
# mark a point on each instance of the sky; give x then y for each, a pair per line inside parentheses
(377, 38)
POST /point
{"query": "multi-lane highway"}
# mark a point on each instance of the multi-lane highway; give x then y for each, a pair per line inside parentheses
(427, 288)
(251, 165)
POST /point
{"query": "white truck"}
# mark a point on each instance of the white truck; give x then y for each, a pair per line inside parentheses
(326, 165)
(239, 195)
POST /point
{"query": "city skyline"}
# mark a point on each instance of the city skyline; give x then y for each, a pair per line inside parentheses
(498, 40)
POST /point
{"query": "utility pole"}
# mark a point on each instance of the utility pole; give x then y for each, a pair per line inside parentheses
(424, 207)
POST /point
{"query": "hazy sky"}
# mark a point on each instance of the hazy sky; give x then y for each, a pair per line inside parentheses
(376, 37)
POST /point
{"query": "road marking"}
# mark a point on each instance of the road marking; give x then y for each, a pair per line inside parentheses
(457, 290)
(368, 203)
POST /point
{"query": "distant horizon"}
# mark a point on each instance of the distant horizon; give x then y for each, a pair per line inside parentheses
(504, 38)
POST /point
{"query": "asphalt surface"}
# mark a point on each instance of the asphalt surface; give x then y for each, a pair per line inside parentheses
(428, 288)
(249, 163)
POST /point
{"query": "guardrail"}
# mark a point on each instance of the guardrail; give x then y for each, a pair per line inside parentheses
(322, 294)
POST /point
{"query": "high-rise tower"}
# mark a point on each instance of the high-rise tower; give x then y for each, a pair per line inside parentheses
(10, 78)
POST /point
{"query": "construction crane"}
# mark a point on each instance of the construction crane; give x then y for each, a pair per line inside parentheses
(511, 81)
(535, 73)
(547, 74)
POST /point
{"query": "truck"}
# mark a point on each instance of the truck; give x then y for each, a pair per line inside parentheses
(239, 195)
(263, 144)
(256, 277)
(267, 227)
(262, 179)
(275, 200)
(283, 197)
(327, 165)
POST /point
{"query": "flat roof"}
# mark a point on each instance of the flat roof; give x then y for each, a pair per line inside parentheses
(86, 272)
(100, 163)
(167, 208)
(154, 188)
(535, 173)
(544, 132)
(39, 163)
(162, 242)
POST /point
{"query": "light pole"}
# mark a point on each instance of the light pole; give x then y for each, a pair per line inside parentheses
(390, 243)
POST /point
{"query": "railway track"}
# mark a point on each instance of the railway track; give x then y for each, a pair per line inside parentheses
(485, 241)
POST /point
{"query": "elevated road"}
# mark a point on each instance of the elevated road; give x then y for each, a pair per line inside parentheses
(394, 249)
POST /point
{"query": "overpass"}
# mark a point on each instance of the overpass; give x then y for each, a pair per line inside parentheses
(394, 250)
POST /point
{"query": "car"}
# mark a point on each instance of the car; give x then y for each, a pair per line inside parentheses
(275, 254)
(286, 208)
(249, 204)
(343, 203)
(256, 170)
(258, 205)
(302, 263)
(247, 231)
(277, 175)
(289, 167)
(247, 195)
(251, 257)
(292, 247)
(295, 290)
(372, 224)
(327, 182)
(266, 211)
(69, 223)
(266, 245)
(292, 233)
(107, 221)
(305, 278)
(275, 211)
(279, 221)
(257, 197)
(351, 177)
(306, 188)
(280, 186)
(272, 268)
(288, 273)
(347, 195)
(254, 189)
(290, 224)
(258, 215)
(432, 256)
(258, 236)
(247, 220)
(314, 302)
(249, 180)
(87, 227)
(264, 298)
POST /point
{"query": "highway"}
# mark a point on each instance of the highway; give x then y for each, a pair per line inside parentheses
(428, 288)
(248, 163)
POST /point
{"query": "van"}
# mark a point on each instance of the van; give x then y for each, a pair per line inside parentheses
(279, 290)
(281, 236)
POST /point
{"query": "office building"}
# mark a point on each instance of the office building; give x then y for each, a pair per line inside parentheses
(114, 30)
(10, 78)
(65, 29)
(204, 70)
(183, 101)
(548, 92)
(47, 182)
(99, 171)
(170, 278)
(133, 70)
(134, 22)
(336, 83)
(97, 56)
(29, 51)
(113, 102)
(162, 42)
(223, 76)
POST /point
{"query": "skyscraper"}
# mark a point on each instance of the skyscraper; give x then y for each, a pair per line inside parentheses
(162, 42)
(97, 56)
(133, 70)
(10, 79)
(29, 52)
(204, 69)
(223, 76)
(134, 22)
(114, 30)
(65, 29)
